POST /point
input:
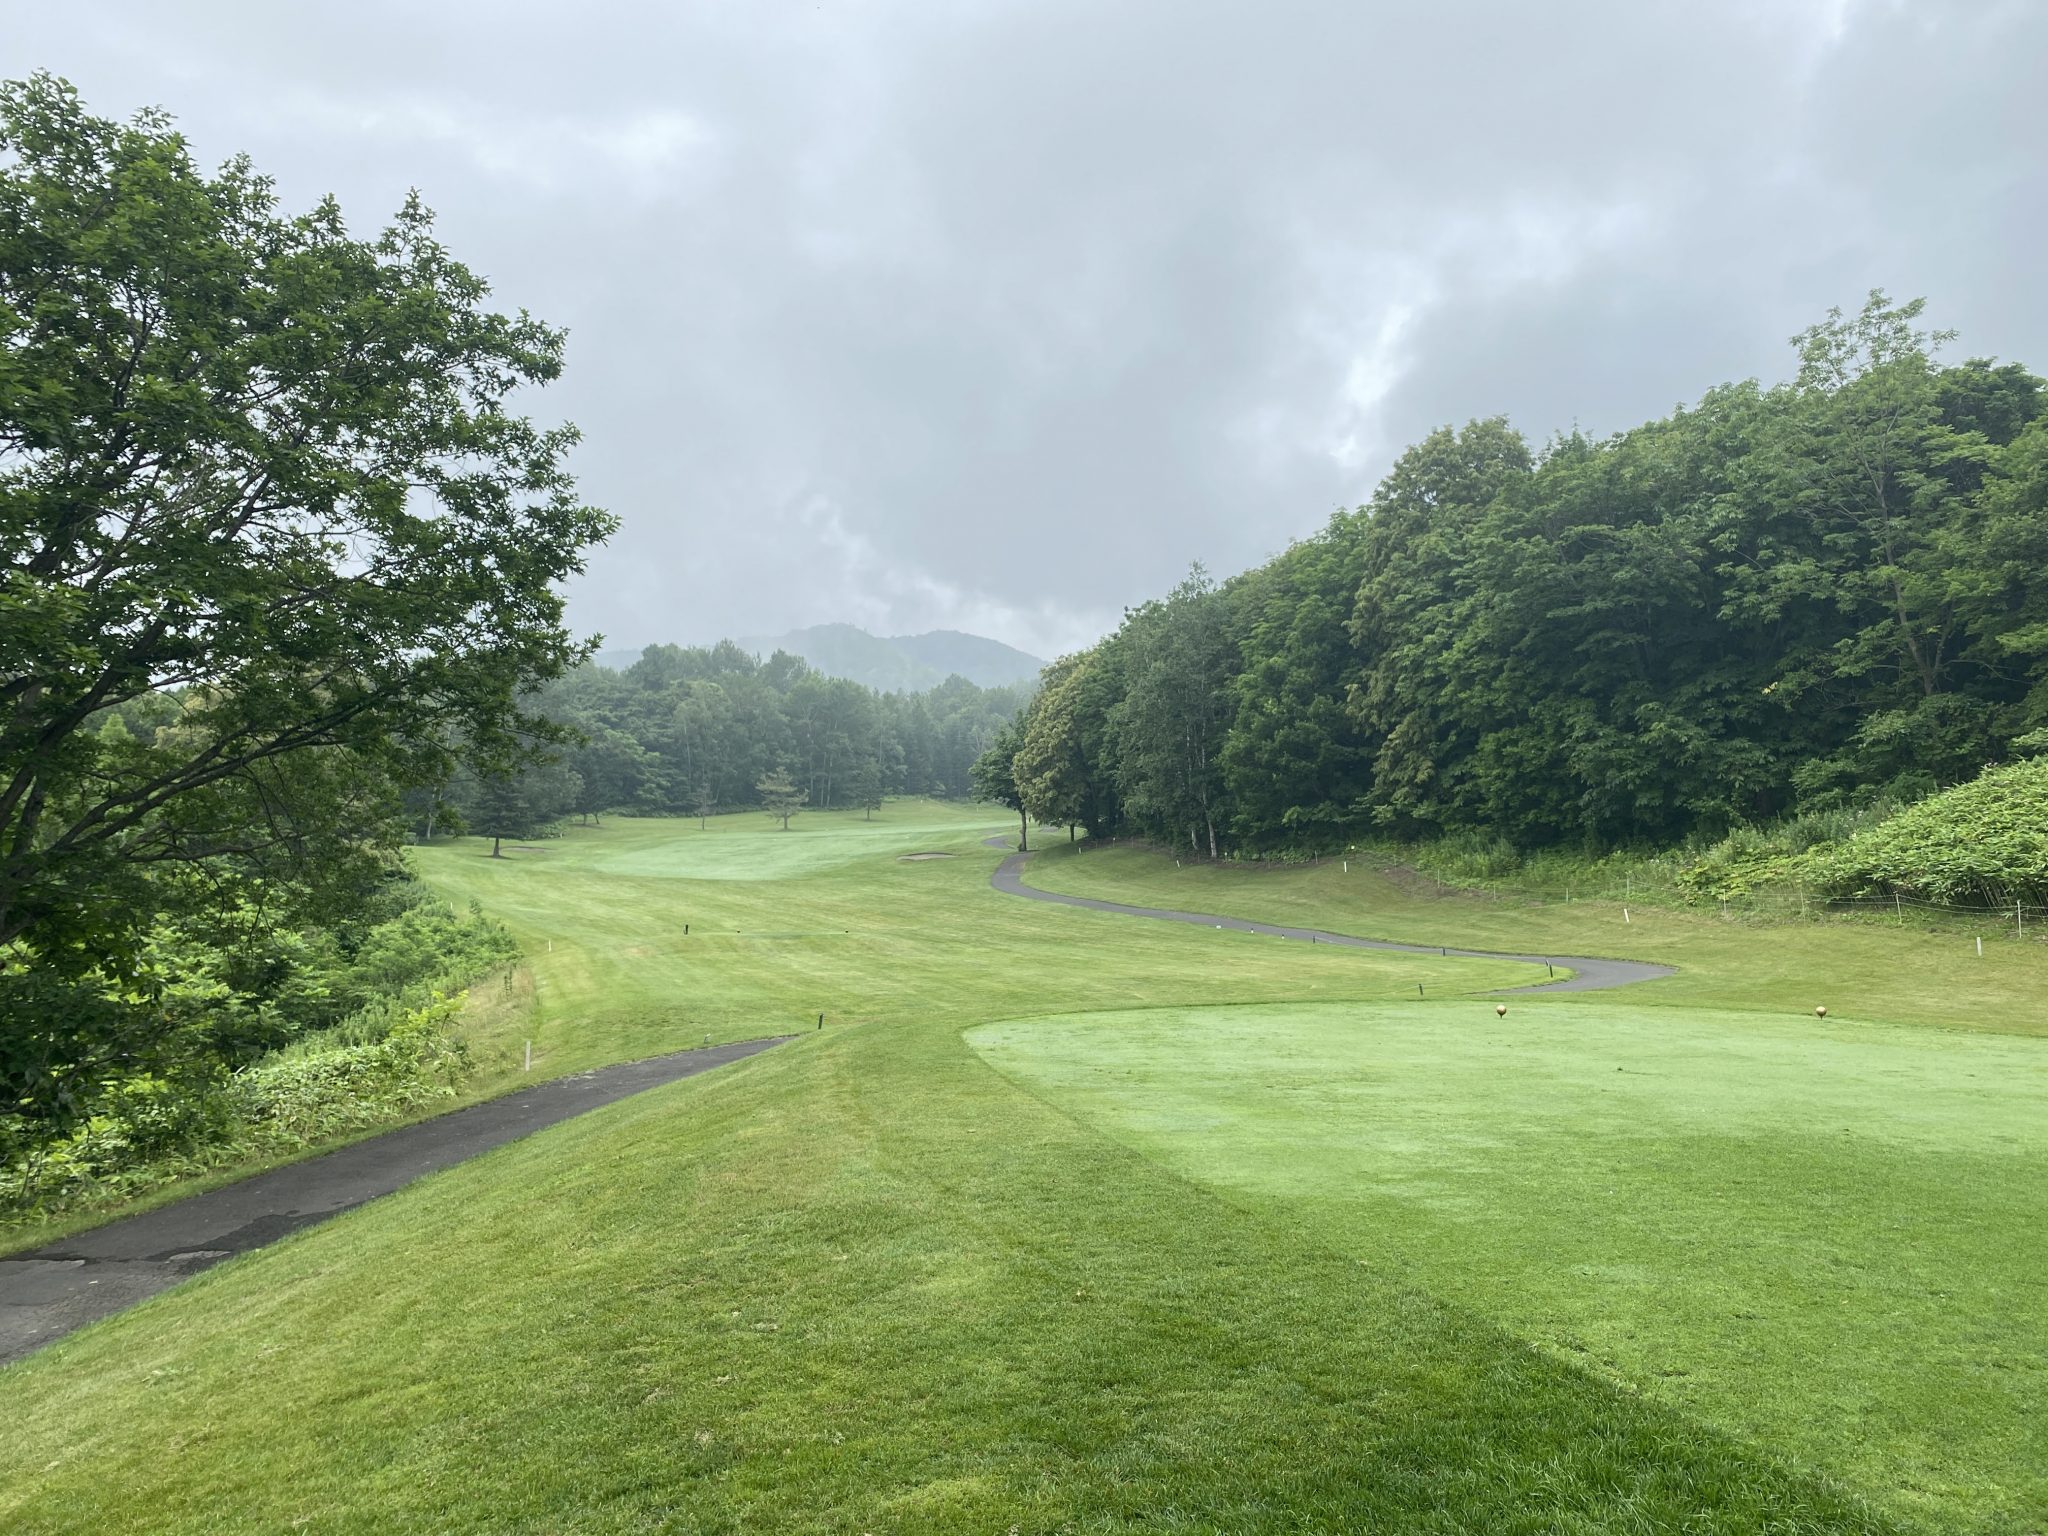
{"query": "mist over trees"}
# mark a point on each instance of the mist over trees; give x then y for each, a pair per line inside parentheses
(1774, 600)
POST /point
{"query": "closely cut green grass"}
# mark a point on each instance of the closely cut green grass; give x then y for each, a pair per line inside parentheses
(865, 1282)
(1824, 1237)
(1907, 974)
(859, 1284)
(854, 933)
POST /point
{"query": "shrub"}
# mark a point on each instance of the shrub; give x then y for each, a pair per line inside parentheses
(148, 1131)
(1984, 842)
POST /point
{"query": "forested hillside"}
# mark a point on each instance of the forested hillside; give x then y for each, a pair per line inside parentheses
(887, 664)
(1775, 600)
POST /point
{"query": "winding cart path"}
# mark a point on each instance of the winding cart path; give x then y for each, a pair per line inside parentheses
(1589, 973)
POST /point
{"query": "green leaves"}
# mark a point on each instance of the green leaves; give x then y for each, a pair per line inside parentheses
(1773, 601)
(1984, 842)
(262, 464)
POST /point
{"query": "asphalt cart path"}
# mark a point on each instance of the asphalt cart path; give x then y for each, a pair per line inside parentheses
(1589, 973)
(47, 1292)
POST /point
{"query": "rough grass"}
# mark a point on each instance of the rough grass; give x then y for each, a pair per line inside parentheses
(865, 1282)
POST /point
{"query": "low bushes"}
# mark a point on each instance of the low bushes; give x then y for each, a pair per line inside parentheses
(148, 1130)
(263, 1048)
(1982, 843)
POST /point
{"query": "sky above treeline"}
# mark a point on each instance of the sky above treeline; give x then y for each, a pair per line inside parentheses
(994, 316)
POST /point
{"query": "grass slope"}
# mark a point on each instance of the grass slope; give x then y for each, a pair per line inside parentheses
(863, 1283)
(1868, 968)
(1821, 1237)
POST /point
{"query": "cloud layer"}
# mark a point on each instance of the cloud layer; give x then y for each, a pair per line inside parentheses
(994, 316)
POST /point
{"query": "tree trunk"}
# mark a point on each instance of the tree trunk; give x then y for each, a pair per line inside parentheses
(1070, 831)
(496, 842)
(1023, 832)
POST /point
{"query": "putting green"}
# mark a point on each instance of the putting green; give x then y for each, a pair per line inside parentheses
(1822, 1236)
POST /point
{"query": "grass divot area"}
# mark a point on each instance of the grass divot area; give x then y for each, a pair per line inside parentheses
(1822, 1237)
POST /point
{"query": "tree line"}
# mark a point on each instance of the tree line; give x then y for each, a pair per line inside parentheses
(1779, 599)
(688, 731)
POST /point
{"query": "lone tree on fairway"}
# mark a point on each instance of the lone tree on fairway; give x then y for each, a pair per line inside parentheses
(702, 803)
(268, 473)
(867, 789)
(780, 797)
(502, 810)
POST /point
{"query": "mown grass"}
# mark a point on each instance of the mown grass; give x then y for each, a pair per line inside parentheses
(864, 1282)
(1909, 973)
(1823, 1237)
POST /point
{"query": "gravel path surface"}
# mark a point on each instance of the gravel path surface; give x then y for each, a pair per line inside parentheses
(1589, 973)
(46, 1292)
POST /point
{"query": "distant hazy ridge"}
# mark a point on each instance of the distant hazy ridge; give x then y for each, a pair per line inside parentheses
(902, 663)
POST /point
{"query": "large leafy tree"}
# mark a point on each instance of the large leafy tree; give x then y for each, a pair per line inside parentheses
(1175, 712)
(262, 463)
(994, 776)
(1049, 769)
(1295, 765)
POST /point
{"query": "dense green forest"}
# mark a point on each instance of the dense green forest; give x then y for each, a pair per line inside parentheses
(1783, 600)
(687, 731)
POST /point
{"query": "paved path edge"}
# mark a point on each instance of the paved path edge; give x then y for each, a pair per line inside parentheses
(1590, 973)
(49, 1291)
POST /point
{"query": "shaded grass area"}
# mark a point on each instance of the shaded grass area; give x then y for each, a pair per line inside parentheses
(859, 1284)
(1902, 974)
(1821, 1237)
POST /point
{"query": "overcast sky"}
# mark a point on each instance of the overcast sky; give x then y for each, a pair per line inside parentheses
(993, 316)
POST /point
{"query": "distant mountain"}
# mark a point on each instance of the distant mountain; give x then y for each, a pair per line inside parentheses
(898, 664)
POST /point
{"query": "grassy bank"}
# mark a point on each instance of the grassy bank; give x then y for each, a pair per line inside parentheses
(1902, 973)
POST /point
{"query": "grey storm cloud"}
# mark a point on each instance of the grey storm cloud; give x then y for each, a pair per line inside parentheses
(994, 316)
